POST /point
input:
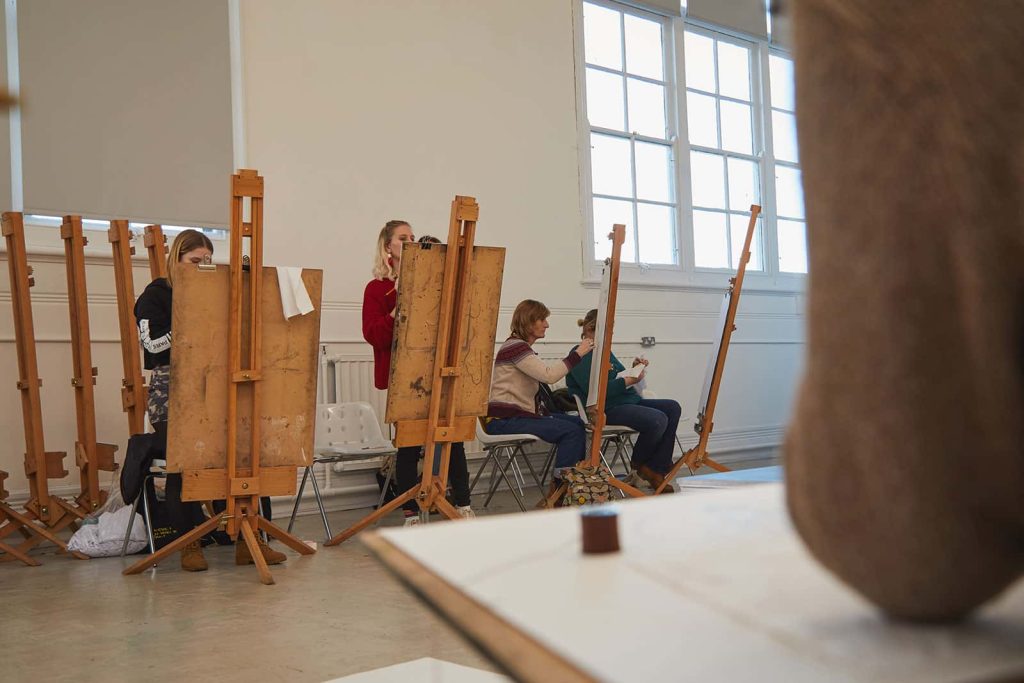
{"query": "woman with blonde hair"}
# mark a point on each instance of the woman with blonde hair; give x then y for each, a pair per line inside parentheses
(379, 300)
(153, 317)
(515, 382)
(655, 420)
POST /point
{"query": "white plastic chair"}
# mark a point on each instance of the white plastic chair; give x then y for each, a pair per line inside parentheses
(344, 433)
(509, 446)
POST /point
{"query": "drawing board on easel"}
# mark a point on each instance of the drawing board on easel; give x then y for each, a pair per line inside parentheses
(197, 437)
(416, 337)
(597, 375)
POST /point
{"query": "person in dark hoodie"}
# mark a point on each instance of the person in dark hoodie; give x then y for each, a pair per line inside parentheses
(153, 317)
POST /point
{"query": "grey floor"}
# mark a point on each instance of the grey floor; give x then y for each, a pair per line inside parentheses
(331, 614)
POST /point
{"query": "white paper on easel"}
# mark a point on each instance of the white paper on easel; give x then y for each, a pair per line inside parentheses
(709, 373)
(602, 312)
(294, 296)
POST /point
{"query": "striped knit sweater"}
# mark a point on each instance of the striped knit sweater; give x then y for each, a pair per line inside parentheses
(518, 372)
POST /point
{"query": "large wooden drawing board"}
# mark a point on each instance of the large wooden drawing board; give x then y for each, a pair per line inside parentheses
(416, 331)
(197, 434)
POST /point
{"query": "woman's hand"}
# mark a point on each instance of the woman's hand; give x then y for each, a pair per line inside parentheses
(640, 361)
(585, 347)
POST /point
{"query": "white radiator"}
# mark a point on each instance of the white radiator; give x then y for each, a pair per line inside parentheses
(347, 378)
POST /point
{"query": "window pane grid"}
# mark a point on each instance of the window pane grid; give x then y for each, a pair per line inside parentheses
(645, 201)
(732, 144)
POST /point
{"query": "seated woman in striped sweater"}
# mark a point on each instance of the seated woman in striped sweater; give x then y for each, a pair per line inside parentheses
(518, 372)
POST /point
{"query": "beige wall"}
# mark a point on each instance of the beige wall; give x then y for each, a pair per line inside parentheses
(357, 112)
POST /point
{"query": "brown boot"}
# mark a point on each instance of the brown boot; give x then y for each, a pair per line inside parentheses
(653, 478)
(243, 556)
(192, 559)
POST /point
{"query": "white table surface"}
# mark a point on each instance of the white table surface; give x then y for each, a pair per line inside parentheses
(709, 586)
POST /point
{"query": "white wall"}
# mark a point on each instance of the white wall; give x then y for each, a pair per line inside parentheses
(357, 112)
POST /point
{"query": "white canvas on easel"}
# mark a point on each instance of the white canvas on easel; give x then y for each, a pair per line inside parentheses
(709, 373)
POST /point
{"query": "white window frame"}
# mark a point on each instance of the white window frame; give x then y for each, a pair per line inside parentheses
(685, 276)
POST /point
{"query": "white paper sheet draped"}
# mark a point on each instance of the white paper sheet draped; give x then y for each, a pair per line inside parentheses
(294, 297)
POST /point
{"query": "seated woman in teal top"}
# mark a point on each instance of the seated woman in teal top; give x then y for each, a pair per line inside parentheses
(656, 420)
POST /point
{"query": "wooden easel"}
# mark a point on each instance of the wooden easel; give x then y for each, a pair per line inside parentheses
(51, 511)
(156, 246)
(698, 455)
(597, 417)
(91, 457)
(133, 386)
(442, 425)
(240, 485)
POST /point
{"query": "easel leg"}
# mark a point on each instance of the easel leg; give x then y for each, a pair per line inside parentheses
(176, 545)
(40, 532)
(442, 505)
(266, 578)
(280, 534)
(558, 493)
(18, 555)
(374, 516)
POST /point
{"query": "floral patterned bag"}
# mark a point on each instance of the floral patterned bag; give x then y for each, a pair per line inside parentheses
(587, 485)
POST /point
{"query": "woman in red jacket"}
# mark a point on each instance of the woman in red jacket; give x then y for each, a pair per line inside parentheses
(379, 299)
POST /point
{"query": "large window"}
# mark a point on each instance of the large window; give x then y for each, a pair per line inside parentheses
(686, 201)
(631, 155)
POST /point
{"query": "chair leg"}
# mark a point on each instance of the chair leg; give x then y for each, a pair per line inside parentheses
(384, 491)
(504, 476)
(148, 517)
(483, 466)
(320, 504)
(298, 497)
(548, 462)
(517, 473)
(131, 522)
(529, 466)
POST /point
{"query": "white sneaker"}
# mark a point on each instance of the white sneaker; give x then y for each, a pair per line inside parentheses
(414, 520)
(465, 511)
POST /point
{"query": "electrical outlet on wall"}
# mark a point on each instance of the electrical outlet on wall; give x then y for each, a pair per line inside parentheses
(646, 341)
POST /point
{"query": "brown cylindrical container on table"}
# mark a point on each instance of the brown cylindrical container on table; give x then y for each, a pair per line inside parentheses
(600, 529)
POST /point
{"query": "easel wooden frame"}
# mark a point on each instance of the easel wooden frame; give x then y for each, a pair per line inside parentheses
(90, 455)
(698, 455)
(133, 386)
(441, 419)
(156, 248)
(598, 419)
(243, 485)
(40, 465)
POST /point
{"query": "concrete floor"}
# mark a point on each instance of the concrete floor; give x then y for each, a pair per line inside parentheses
(334, 613)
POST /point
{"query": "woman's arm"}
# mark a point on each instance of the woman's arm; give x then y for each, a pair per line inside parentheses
(533, 366)
(378, 323)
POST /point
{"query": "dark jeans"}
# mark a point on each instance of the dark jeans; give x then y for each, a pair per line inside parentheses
(407, 475)
(566, 431)
(656, 419)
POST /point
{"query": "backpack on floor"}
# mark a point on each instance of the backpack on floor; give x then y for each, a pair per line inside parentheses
(587, 485)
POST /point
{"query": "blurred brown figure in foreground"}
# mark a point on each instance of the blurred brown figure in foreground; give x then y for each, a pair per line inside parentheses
(905, 461)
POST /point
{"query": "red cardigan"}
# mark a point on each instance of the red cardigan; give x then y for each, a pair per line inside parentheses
(379, 299)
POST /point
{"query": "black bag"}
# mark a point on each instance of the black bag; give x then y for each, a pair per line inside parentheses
(142, 448)
(555, 402)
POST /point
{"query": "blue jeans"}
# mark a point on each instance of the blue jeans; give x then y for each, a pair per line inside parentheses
(566, 431)
(656, 419)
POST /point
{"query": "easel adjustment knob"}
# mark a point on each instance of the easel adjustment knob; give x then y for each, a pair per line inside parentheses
(450, 372)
